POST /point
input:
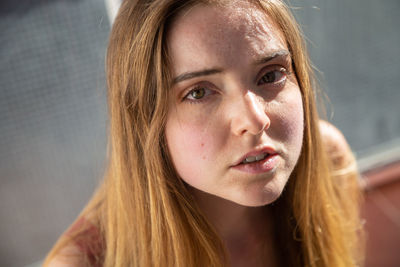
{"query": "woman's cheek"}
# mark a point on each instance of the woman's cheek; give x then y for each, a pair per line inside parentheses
(188, 149)
(294, 124)
(289, 120)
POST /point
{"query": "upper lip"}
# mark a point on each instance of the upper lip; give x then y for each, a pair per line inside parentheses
(256, 152)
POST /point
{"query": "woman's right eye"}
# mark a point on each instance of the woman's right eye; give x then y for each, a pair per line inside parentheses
(197, 94)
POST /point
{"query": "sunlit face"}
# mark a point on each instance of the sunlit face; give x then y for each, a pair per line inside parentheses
(235, 122)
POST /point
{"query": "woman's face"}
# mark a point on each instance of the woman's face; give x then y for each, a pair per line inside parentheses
(235, 122)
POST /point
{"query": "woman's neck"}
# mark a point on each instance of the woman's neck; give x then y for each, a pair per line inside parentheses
(246, 231)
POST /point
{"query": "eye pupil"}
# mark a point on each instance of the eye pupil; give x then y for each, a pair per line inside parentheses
(269, 77)
(198, 93)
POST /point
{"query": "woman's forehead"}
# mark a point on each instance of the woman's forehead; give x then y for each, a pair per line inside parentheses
(240, 15)
(210, 31)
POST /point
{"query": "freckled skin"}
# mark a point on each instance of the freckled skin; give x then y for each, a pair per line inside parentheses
(206, 138)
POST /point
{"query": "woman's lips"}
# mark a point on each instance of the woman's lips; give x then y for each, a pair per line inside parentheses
(265, 149)
(267, 164)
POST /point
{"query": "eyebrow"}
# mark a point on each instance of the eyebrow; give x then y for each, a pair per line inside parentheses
(191, 75)
(270, 57)
(206, 72)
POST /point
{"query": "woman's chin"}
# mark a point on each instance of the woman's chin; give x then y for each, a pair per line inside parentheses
(258, 196)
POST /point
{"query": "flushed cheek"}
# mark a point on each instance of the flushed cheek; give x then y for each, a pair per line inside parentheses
(190, 149)
(198, 132)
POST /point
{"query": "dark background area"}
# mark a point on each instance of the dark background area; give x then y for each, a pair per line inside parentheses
(53, 116)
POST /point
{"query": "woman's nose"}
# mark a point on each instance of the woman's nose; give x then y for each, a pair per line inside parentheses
(249, 116)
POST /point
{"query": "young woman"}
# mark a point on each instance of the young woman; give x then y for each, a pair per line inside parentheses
(216, 154)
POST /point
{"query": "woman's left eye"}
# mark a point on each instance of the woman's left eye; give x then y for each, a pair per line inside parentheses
(274, 77)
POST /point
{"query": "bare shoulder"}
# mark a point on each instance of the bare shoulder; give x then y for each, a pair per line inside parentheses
(80, 245)
(333, 137)
(69, 256)
(342, 161)
(336, 145)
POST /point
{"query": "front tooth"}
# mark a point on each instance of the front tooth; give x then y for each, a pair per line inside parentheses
(251, 159)
(260, 157)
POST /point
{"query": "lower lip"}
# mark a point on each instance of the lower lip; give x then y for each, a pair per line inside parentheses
(266, 165)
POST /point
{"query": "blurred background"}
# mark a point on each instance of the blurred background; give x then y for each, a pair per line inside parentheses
(53, 114)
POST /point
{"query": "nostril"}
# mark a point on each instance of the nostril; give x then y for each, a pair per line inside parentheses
(252, 122)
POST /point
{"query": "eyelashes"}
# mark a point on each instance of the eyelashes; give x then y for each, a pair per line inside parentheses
(198, 93)
(273, 77)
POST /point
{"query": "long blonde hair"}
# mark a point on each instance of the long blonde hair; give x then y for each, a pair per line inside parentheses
(144, 211)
